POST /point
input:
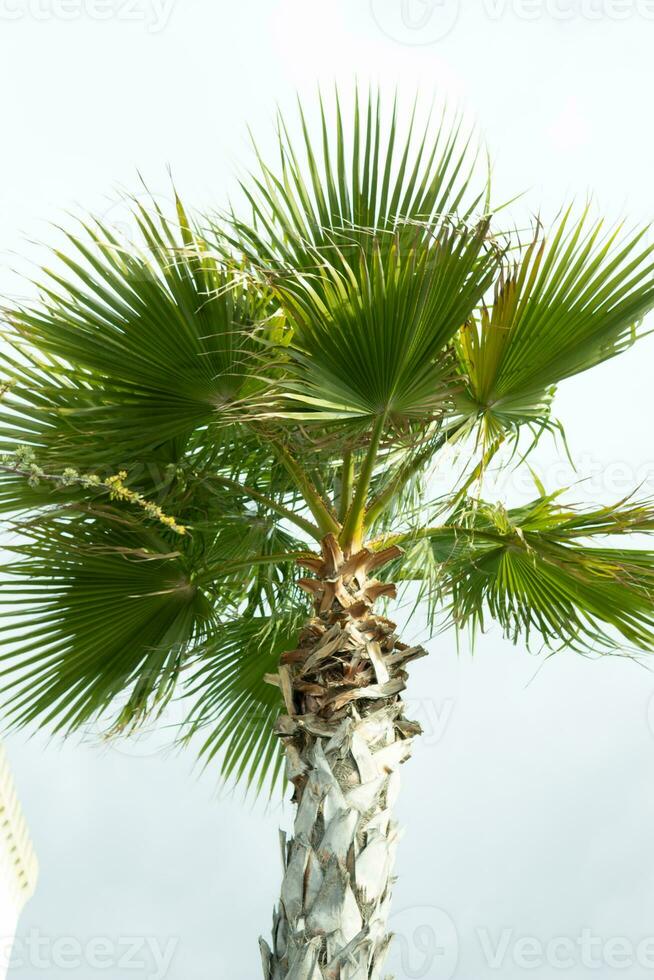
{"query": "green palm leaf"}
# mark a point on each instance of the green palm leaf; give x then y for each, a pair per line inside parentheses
(533, 570)
(354, 183)
(94, 610)
(129, 351)
(98, 606)
(370, 340)
(569, 303)
(234, 709)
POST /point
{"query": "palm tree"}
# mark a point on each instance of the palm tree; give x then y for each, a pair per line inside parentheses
(217, 457)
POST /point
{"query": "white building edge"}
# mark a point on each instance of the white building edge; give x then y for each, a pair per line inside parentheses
(18, 864)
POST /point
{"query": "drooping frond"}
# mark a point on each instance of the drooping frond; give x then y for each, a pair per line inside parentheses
(94, 611)
(232, 707)
(534, 570)
(99, 605)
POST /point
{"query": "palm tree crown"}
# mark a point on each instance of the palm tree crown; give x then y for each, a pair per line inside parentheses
(183, 423)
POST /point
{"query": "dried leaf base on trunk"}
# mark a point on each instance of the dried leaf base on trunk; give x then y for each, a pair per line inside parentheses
(345, 737)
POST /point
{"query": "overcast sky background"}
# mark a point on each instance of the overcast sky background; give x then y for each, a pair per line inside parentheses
(529, 806)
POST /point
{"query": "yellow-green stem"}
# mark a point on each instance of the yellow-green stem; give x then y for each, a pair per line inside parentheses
(347, 483)
(318, 507)
(352, 534)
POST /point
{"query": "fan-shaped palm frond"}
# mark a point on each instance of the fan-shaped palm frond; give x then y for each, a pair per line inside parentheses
(353, 185)
(130, 350)
(569, 303)
(370, 341)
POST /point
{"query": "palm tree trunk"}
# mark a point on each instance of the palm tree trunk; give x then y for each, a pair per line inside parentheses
(345, 736)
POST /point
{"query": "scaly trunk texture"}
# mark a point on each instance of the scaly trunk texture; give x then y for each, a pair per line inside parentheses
(345, 736)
